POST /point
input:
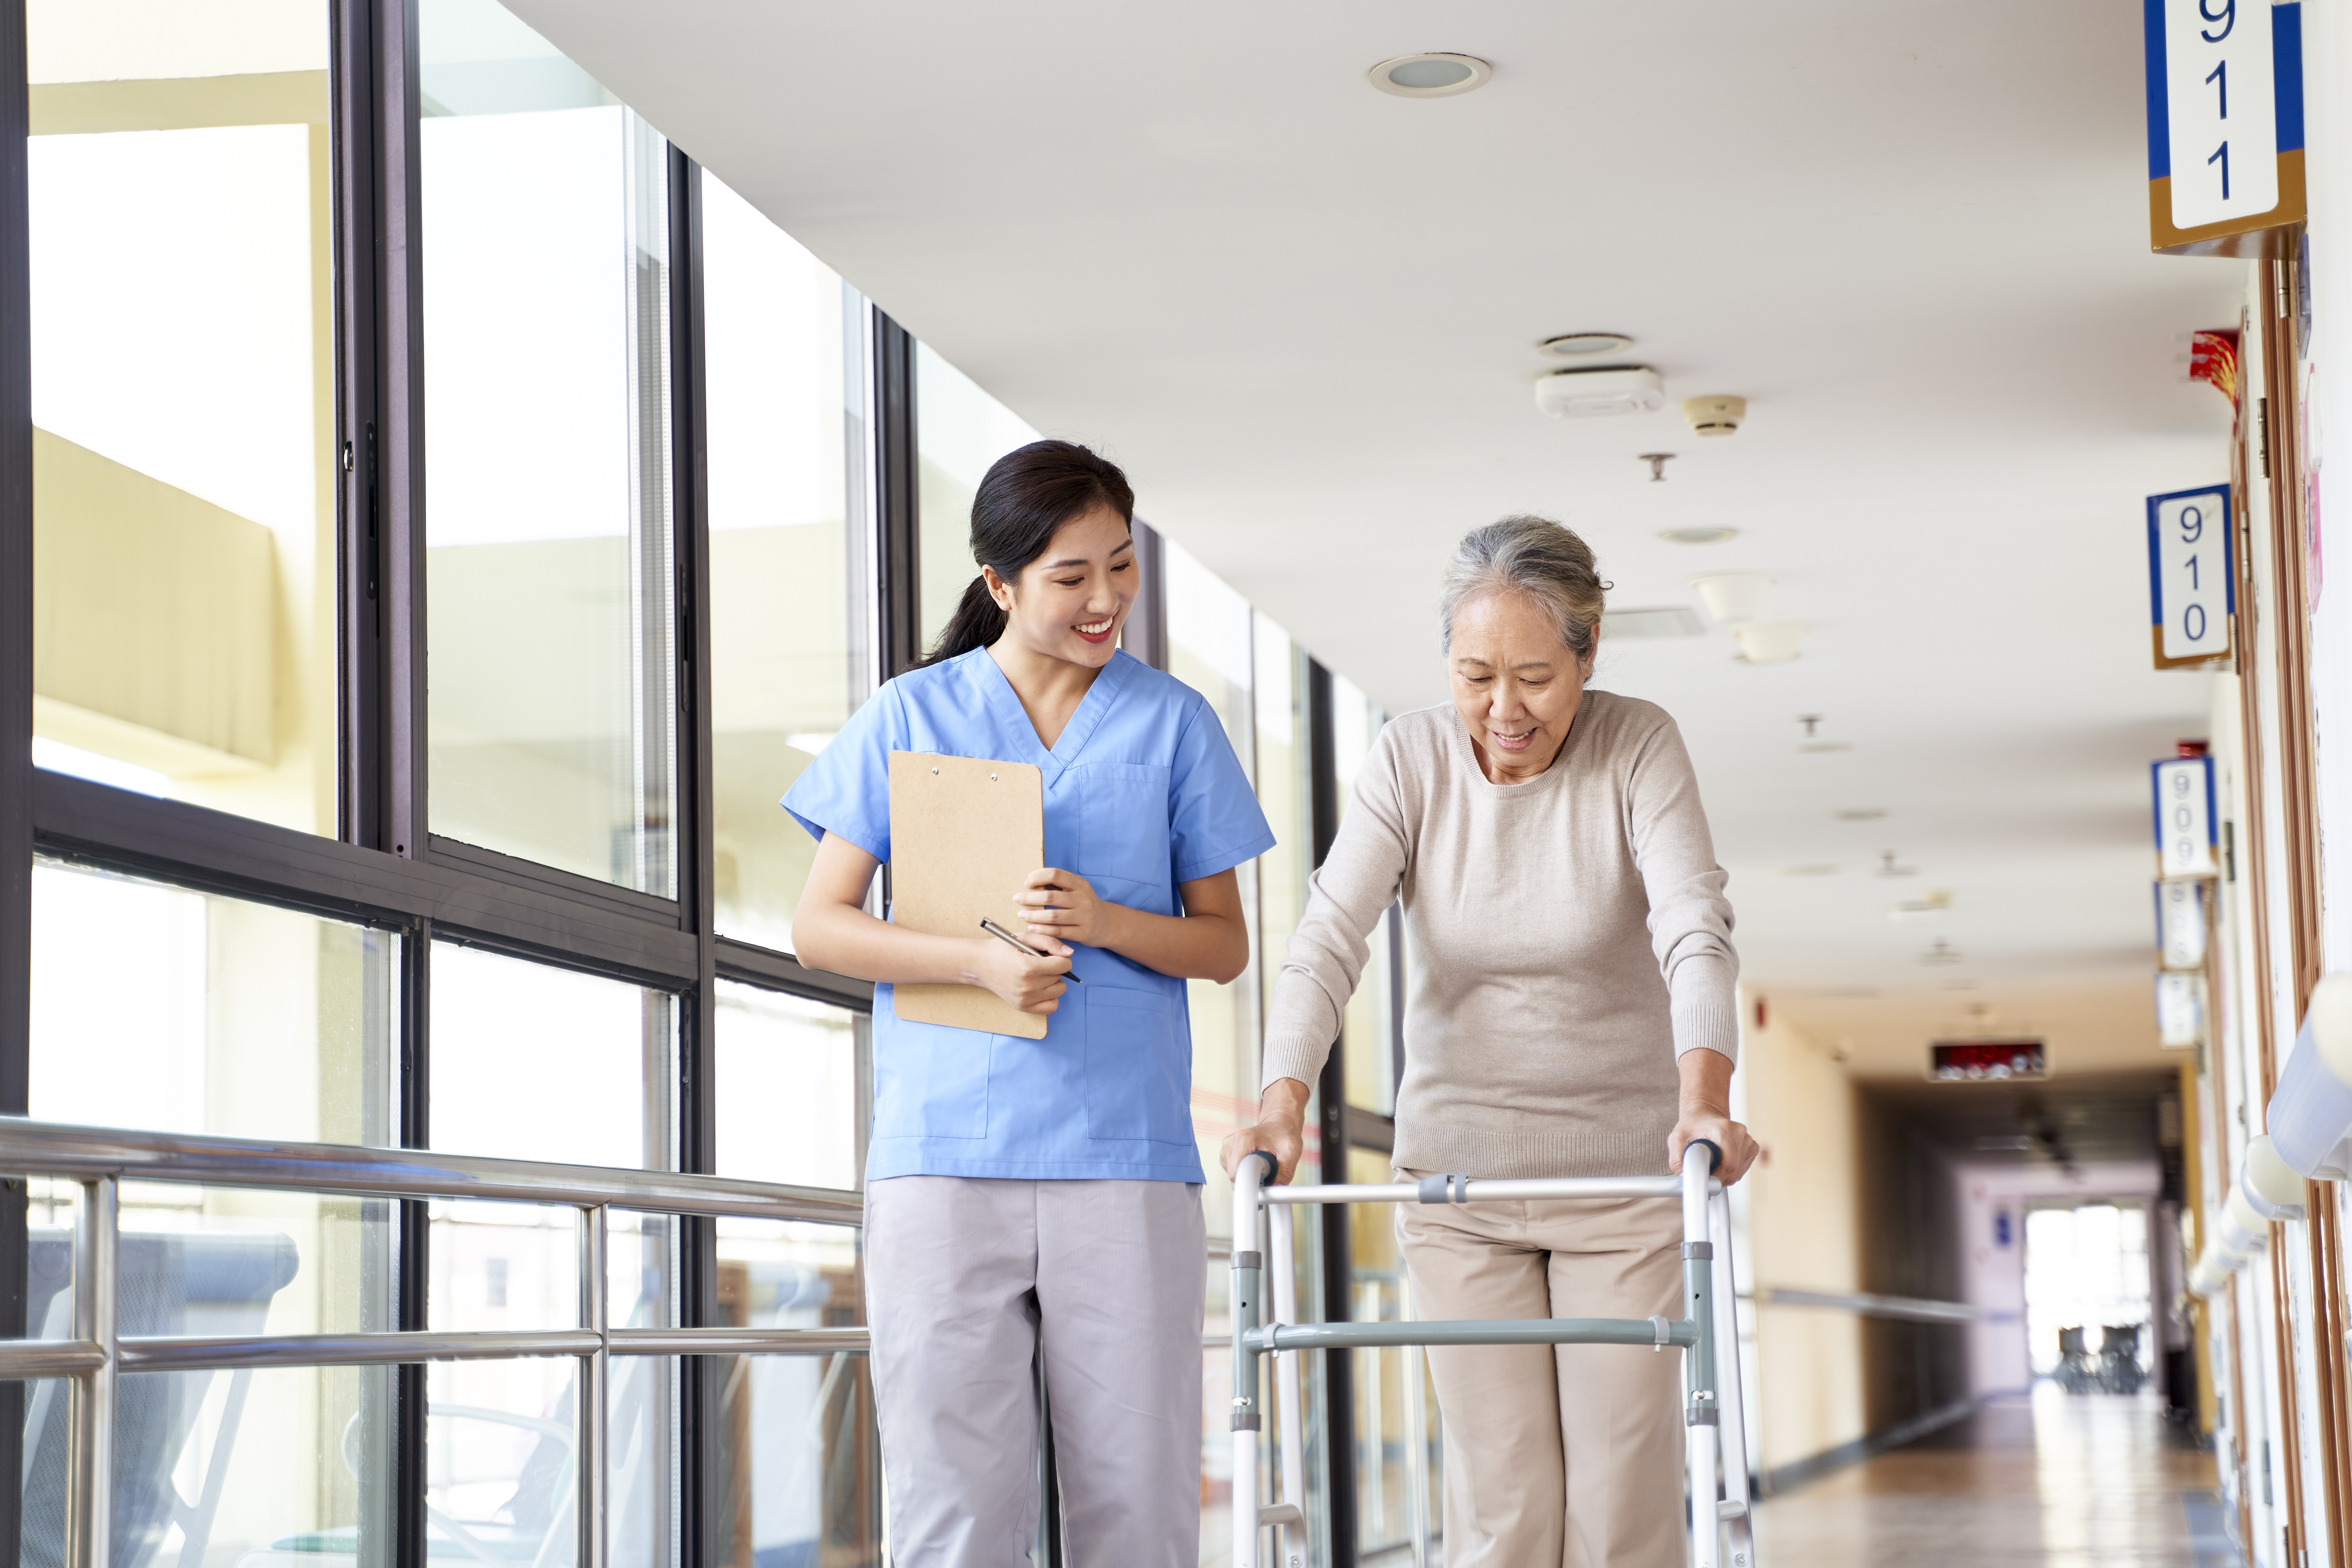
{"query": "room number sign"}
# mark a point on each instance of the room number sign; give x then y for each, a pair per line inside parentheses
(2192, 593)
(2224, 125)
(2184, 819)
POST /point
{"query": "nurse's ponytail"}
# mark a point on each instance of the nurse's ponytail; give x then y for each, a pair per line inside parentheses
(1026, 496)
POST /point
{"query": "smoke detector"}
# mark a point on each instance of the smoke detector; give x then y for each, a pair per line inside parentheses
(1606, 389)
(1714, 415)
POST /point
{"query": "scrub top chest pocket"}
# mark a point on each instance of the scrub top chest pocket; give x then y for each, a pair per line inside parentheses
(1123, 833)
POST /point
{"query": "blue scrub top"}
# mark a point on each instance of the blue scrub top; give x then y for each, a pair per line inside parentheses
(1142, 792)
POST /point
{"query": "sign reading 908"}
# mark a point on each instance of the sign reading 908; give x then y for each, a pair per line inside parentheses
(2192, 593)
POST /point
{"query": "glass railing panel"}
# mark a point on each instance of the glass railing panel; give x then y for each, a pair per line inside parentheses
(797, 1456)
(214, 1262)
(501, 1466)
(226, 1467)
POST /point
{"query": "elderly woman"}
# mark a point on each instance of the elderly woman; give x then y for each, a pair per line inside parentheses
(1571, 1013)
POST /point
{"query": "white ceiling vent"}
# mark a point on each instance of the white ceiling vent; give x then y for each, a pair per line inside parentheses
(1668, 621)
(1607, 389)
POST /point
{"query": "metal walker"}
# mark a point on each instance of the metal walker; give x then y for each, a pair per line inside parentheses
(1714, 1416)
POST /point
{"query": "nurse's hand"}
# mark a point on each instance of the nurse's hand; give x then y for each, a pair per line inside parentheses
(1031, 984)
(1062, 906)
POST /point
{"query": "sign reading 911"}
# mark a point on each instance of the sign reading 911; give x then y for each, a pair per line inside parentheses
(2192, 590)
(2184, 817)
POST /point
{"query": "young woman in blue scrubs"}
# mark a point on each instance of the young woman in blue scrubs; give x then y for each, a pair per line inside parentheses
(1040, 1200)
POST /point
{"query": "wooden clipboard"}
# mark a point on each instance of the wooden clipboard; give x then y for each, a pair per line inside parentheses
(965, 833)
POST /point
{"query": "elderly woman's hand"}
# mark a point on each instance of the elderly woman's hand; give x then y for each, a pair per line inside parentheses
(1280, 1130)
(1706, 1113)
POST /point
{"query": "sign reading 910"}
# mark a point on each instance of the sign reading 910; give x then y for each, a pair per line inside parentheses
(2192, 593)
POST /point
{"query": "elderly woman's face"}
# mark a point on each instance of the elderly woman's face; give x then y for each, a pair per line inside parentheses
(1516, 684)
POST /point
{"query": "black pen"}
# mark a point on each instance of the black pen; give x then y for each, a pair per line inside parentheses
(1000, 934)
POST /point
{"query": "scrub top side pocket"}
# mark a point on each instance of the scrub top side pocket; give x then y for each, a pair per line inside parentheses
(1139, 1081)
(931, 1081)
(1123, 824)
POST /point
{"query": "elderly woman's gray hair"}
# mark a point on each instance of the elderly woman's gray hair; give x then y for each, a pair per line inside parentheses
(1535, 556)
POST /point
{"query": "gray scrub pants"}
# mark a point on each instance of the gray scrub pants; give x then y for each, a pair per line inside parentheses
(970, 1280)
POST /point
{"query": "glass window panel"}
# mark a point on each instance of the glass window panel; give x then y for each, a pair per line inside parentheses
(501, 1441)
(531, 1062)
(549, 581)
(959, 431)
(173, 1011)
(785, 367)
(788, 1076)
(798, 1461)
(1209, 650)
(183, 403)
(1282, 787)
(1365, 1028)
(228, 1467)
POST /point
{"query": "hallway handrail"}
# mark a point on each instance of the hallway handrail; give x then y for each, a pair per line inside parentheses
(101, 1159)
(1867, 1304)
(57, 1148)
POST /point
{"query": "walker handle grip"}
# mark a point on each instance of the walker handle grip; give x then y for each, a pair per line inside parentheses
(1272, 1165)
(1713, 1153)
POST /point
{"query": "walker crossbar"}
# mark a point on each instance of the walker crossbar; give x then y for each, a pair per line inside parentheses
(1712, 1415)
(1677, 1332)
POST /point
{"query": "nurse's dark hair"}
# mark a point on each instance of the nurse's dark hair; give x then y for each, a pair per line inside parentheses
(1023, 501)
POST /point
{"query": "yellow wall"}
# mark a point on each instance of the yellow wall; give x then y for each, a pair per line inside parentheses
(154, 618)
(1803, 1233)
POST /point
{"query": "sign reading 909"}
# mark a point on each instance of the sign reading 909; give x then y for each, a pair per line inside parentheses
(2192, 592)
(2184, 817)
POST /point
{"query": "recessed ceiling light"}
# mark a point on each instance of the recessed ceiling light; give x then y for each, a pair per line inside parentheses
(1698, 535)
(1809, 870)
(1862, 814)
(1576, 345)
(1431, 76)
(1815, 748)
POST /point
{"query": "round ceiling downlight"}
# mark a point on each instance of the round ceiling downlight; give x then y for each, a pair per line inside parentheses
(1698, 535)
(1576, 345)
(1431, 76)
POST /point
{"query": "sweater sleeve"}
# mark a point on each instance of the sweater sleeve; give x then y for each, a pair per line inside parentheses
(1690, 919)
(1345, 899)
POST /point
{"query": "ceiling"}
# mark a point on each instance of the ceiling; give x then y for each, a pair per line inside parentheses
(1303, 314)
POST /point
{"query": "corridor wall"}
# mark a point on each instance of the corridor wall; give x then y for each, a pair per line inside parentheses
(1802, 1233)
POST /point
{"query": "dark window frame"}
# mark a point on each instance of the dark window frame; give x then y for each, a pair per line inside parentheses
(382, 866)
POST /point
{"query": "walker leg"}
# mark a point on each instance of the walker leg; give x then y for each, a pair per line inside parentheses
(1248, 1406)
(1707, 1529)
(1701, 1364)
(1731, 1435)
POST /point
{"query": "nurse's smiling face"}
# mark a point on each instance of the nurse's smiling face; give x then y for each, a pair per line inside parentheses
(1069, 603)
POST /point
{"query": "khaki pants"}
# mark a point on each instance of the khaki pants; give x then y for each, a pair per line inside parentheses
(1570, 1454)
(971, 1281)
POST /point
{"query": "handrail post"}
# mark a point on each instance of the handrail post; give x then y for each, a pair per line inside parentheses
(596, 1316)
(89, 1509)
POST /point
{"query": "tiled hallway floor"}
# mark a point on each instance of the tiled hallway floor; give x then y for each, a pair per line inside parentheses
(2047, 1480)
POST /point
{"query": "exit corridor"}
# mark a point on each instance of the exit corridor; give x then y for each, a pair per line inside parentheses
(2044, 1480)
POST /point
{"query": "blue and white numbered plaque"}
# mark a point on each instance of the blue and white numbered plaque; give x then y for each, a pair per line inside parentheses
(2192, 592)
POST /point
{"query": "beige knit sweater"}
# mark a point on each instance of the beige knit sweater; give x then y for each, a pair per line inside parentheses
(1566, 939)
